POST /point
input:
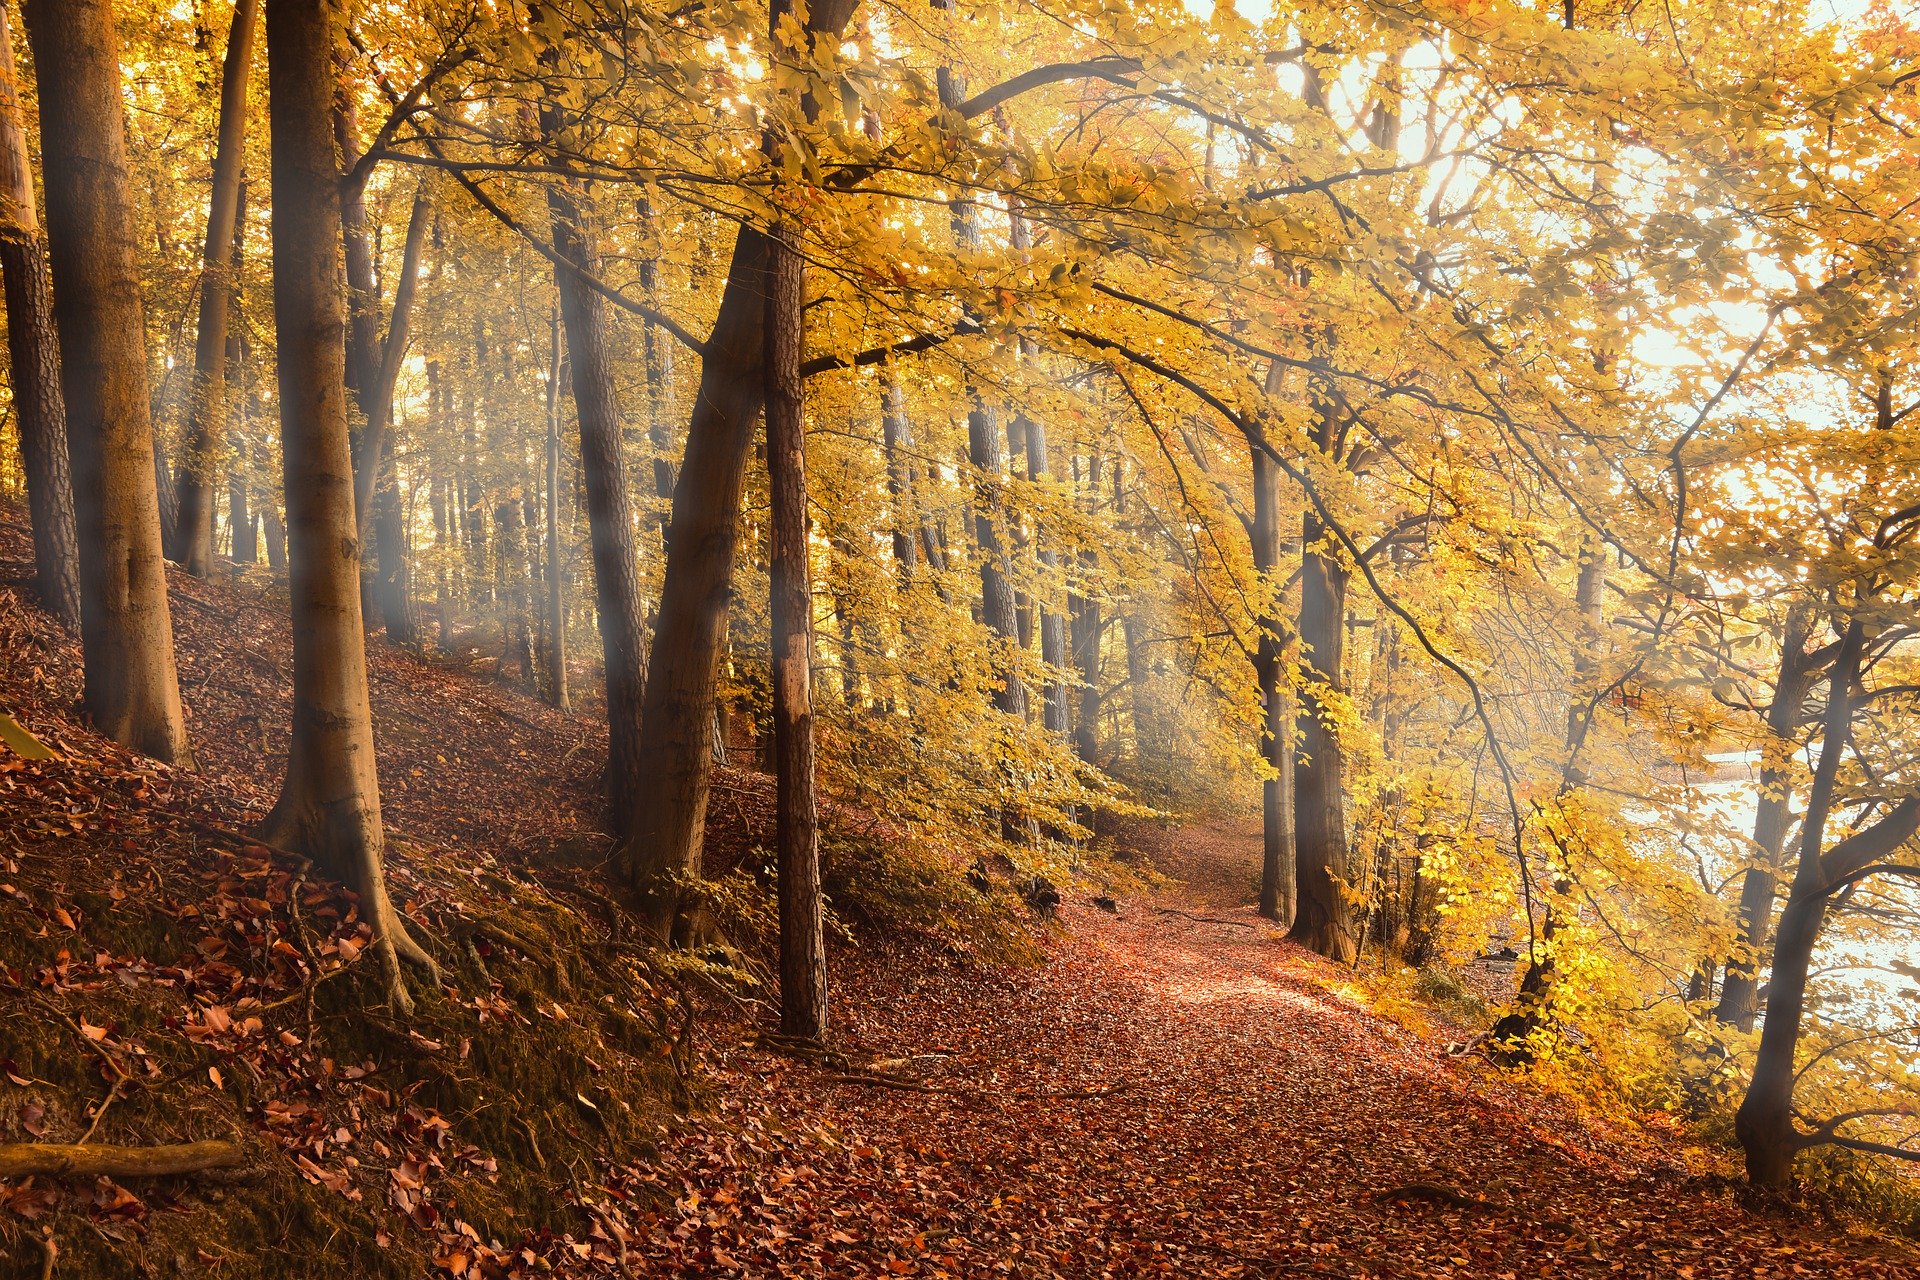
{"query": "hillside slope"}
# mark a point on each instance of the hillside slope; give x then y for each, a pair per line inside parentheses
(1174, 1092)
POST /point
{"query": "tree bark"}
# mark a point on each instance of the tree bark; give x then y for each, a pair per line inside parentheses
(657, 360)
(803, 962)
(329, 807)
(1323, 918)
(1773, 816)
(896, 432)
(34, 360)
(677, 725)
(610, 525)
(510, 569)
(1764, 1121)
(132, 689)
(557, 693)
(206, 420)
(1083, 609)
(1279, 891)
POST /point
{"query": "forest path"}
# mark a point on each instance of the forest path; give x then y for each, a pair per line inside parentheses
(1171, 1096)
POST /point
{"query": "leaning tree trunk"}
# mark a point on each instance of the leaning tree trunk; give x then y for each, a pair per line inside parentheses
(206, 420)
(329, 808)
(126, 635)
(34, 356)
(1278, 889)
(677, 725)
(1323, 917)
(610, 528)
(1773, 815)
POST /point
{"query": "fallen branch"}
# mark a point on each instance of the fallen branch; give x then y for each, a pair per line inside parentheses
(1436, 1192)
(88, 1160)
(1175, 911)
(880, 1080)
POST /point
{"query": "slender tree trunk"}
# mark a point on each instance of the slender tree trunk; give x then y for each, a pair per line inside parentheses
(34, 356)
(276, 535)
(200, 457)
(329, 807)
(132, 689)
(1773, 816)
(896, 432)
(986, 454)
(1323, 917)
(657, 360)
(803, 959)
(1278, 889)
(1053, 627)
(243, 540)
(610, 526)
(1087, 625)
(1764, 1122)
(511, 570)
(557, 693)
(376, 372)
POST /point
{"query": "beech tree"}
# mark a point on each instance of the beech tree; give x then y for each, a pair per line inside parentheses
(34, 360)
(206, 424)
(132, 689)
(329, 806)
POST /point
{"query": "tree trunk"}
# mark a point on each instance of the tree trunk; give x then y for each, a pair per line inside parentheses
(243, 543)
(1278, 889)
(657, 361)
(896, 432)
(1323, 918)
(132, 689)
(1084, 610)
(610, 528)
(329, 807)
(557, 693)
(276, 535)
(1053, 627)
(511, 570)
(677, 727)
(1773, 815)
(206, 421)
(986, 454)
(803, 960)
(1764, 1122)
(375, 372)
(34, 356)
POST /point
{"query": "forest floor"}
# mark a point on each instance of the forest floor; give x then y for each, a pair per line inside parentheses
(1174, 1090)
(1178, 1091)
